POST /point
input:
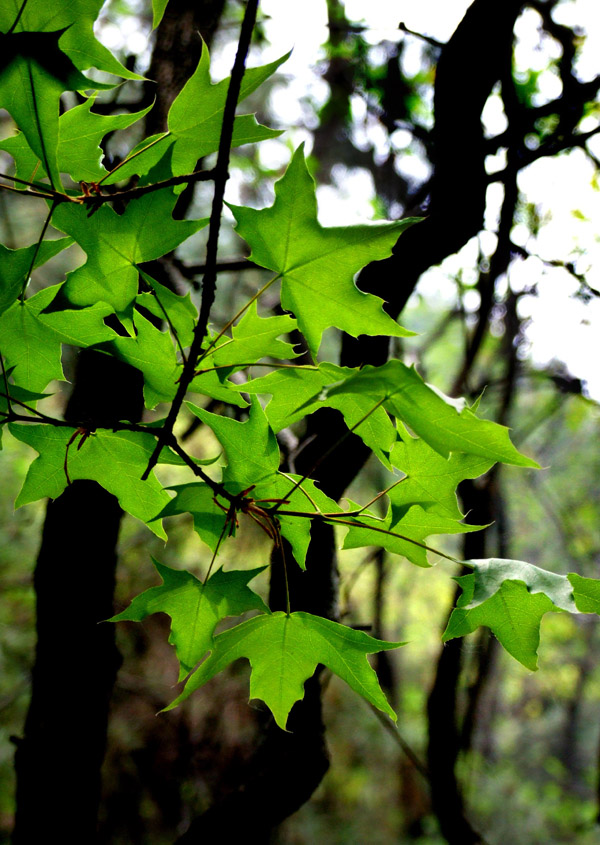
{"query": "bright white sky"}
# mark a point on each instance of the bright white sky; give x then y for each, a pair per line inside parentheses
(564, 189)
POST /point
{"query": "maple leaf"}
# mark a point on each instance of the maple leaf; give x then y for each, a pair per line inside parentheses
(195, 608)
(316, 264)
(41, 59)
(300, 391)
(431, 479)
(284, 651)
(416, 525)
(31, 339)
(116, 460)
(245, 467)
(446, 425)
(586, 593)
(78, 152)
(510, 597)
(75, 20)
(17, 263)
(34, 73)
(194, 123)
(253, 338)
(117, 242)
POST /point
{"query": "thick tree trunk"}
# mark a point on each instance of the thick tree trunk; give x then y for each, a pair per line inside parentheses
(59, 758)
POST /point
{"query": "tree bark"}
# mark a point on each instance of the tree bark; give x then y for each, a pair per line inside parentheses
(58, 760)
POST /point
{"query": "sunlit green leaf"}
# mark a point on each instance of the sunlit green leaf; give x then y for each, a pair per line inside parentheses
(31, 340)
(317, 265)
(510, 597)
(115, 459)
(17, 263)
(284, 652)
(194, 123)
(115, 243)
(415, 525)
(195, 608)
(431, 478)
(445, 426)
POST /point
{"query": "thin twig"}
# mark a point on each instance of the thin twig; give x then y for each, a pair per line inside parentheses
(346, 518)
(216, 551)
(230, 323)
(134, 156)
(210, 277)
(134, 193)
(5, 378)
(393, 731)
(172, 328)
(335, 519)
(37, 194)
(36, 251)
(215, 486)
(427, 38)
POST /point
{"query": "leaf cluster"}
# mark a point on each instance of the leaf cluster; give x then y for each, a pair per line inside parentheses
(425, 442)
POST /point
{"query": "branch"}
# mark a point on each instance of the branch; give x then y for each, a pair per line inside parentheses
(221, 267)
(134, 193)
(427, 38)
(210, 277)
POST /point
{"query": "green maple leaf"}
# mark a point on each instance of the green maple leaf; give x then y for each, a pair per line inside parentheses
(80, 134)
(586, 593)
(195, 608)
(31, 340)
(284, 651)
(416, 525)
(158, 10)
(17, 263)
(447, 426)
(179, 311)
(250, 447)
(509, 597)
(254, 338)
(75, 20)
(297, 392)
(198, 499)
(431, 479)
(317, 265)
(194, 123)
(116, 243)
(41, 59)
(116, 460)
(152, 352)
(78, 153)
(34, 73)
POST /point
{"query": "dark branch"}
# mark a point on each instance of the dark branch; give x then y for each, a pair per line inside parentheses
(209, 283)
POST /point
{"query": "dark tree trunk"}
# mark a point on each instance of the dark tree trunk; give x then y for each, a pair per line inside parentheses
(59, 758)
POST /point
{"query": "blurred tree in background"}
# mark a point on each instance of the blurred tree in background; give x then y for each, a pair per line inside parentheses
(485, 751)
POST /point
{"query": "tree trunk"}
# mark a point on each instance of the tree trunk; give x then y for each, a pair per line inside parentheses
(58, 760)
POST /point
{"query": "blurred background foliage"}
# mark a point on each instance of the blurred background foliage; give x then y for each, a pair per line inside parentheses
(528, 744)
